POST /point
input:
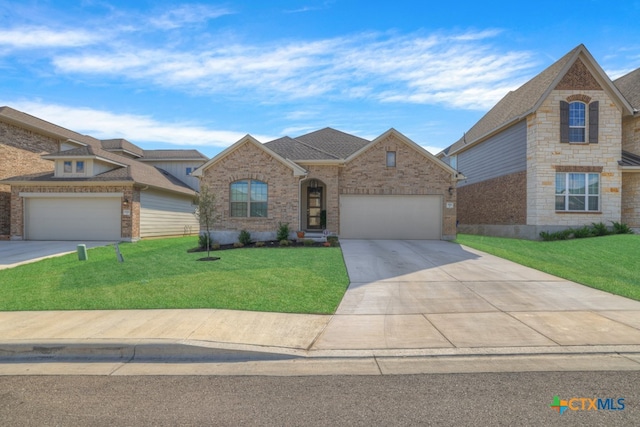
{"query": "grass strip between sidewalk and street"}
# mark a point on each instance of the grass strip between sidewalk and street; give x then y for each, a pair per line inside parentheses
(162, 274)
(609, 263)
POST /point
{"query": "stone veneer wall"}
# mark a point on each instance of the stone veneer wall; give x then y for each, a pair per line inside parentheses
(20, 152)
(545, 153)
(250, 162)
(413, 175)
(129, 224)
(499, 201)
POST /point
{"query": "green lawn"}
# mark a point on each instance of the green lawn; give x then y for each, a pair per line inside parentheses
(610, 263)
(161, 274)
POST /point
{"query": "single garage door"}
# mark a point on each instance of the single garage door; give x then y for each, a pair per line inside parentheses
(390, 217)
(72, 218)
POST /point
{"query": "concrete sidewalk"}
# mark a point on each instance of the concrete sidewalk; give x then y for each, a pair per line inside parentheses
(412, 307)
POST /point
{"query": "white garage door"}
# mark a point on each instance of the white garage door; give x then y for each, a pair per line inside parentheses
(72, 218)
(390, 217)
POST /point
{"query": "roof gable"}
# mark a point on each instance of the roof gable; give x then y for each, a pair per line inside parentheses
(399, 136)
(577, 67)
(248, 139)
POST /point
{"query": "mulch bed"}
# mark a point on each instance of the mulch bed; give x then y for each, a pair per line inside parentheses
(267, 244)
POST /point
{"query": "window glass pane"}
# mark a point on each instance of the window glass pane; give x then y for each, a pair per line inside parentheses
(576, 203)
(577, 183)
(576, 114)
(258, 191)
(593, 203)
(239, 209)
(576, 134)
(594, 183)
(560, 200)
(259, 209)
(80, 167)
(67, 167)
(239, 191)
(561, 179)
(391, 159)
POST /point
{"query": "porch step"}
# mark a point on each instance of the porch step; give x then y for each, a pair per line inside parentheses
(316, 236)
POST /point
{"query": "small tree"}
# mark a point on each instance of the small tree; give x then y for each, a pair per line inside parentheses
(206, 212)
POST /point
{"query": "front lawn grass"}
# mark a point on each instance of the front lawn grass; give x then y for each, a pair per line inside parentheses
(161, 274)
(610, 263)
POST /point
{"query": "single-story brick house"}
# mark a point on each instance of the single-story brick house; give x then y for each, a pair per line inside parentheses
(388, 188)
(86, 192)
(561, 151)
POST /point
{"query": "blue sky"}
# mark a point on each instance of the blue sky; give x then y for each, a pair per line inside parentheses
(201, 75)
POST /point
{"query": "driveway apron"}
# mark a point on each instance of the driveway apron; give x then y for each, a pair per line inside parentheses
(434, 294)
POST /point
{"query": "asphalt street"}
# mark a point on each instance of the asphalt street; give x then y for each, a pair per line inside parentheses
(509, 399)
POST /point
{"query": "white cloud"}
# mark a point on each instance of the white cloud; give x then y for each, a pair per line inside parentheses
(135, 128)
(187, 14)
(39, 37)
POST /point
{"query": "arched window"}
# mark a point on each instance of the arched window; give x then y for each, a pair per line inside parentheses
(249, 199)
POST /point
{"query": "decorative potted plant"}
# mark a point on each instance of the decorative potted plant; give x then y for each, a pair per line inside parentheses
(300, 234)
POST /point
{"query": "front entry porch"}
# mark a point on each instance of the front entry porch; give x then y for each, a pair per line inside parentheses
(313, 216)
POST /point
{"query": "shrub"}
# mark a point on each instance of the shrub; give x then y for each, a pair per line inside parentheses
(283, 231)
(582, 232)
(308, 242)
(215, 246)
(284, 242)
(558, 235)
(238, 245)
(260, 244)
(205, 240)
(621, 228)
(332, 240)
(244, 237)
(600, 229)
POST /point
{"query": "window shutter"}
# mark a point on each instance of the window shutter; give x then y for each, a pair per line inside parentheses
(564, 121)
(593, 122)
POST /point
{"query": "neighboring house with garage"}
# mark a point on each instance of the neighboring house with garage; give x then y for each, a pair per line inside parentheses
(388, 188)
(561, 151)
(89, 193)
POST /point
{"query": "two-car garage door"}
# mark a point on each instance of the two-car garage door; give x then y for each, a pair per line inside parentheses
(390, 217)
(72, 218)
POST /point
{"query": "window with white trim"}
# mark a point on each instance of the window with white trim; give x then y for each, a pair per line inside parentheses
(249, 199)
(578, 192)
(73, 167)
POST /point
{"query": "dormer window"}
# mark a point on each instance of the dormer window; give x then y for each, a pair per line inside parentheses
(73, 168)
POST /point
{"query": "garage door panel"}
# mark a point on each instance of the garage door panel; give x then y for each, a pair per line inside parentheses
(390, 217)
(82, 218)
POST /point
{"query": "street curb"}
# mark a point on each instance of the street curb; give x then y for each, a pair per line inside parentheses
(205, 351)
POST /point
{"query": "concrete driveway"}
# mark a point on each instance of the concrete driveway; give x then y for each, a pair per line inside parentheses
(436, 294)
(14, 253)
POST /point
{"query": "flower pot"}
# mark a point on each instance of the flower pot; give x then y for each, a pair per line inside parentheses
(300, 234)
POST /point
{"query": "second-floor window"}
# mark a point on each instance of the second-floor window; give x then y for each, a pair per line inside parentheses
(577, 122)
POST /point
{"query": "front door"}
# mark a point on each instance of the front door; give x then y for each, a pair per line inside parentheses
(314, 208)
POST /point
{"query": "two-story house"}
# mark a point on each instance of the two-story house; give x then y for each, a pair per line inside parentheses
(561, 151)
(91, 189)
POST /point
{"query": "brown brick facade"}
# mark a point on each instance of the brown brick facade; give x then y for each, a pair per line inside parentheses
(631, 199)
(500, 201)
(413, 175)
(366, 174)
(20, 152)
(251, 162)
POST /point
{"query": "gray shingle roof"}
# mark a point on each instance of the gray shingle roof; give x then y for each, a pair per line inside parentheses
(173, 155)
(121, 144)
(133, 171)
(323, 144)
(515, 104)
(629, 85)
(292, 149)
